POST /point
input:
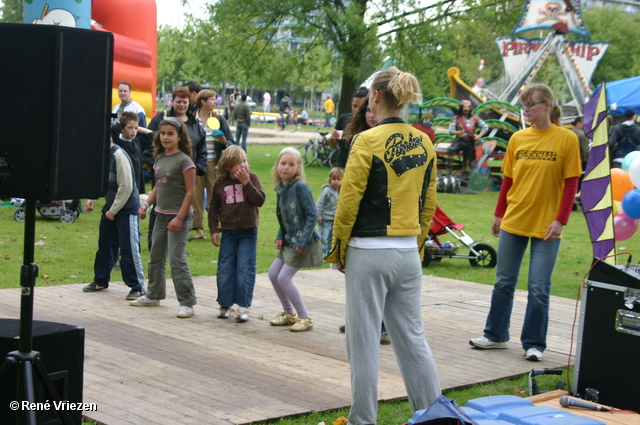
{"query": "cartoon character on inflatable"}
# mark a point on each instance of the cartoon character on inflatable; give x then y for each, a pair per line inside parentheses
(133, 24)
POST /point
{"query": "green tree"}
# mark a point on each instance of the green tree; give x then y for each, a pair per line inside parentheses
(433, 44)
(622, 58)
(170, 57)
(267, 37)
(11, 11)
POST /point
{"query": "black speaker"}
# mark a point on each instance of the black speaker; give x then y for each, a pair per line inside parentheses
(606, 369)
(61, 348)
(55, 116)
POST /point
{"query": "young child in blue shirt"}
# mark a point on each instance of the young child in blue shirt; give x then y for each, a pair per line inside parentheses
(326, 207)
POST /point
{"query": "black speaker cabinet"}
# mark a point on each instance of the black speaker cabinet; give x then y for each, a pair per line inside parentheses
(61, 350)
(55, 115)
(607, 367)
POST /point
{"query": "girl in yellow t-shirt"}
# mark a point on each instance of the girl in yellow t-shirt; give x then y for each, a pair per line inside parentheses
(541, 171)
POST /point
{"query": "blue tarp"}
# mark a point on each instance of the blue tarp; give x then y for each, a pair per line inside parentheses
(623, 95)
(444, 412)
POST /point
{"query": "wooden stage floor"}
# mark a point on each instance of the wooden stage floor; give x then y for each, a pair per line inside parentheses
(145, 366)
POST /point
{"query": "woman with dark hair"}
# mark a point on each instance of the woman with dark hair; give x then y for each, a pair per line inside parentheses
(541, 170)
(361, 120)
(386, 203)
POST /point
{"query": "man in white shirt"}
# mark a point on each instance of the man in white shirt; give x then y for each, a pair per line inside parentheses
(128, 105)
(303, 117)
(266, 102)
(478, 87)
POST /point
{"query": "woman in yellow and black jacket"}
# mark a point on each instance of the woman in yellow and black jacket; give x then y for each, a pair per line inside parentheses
(386, 202)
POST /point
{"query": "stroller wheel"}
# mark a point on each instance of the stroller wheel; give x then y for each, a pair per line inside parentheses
(19, 214)
(427, 258)
(488, 257)
(67, 216)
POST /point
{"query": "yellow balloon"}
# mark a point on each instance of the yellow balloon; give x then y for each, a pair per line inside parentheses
(213, 123)
(617, 207)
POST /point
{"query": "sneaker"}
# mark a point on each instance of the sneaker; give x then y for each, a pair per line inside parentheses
(384, 338)
(302, 324)
(134, 295)
(284, 319)
(342, 328)
(143, 301)
(184, 312)
(95, 287)
(224, 313)
(533, 355)
(484, 342)
(243, 314)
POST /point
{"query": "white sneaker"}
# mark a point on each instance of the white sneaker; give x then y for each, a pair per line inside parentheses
(484, 342)
(224, 313)
(184, 312)
(143, 301)
(243, 314)
(533, 355)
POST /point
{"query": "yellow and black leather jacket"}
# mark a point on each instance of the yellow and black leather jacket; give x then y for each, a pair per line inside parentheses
(388, 188)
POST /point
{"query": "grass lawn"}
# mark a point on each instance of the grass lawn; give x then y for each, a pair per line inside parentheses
(65, 254)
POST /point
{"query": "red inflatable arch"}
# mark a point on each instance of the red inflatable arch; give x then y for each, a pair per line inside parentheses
(133, 24)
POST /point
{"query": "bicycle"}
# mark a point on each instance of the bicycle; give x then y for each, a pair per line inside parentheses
(291, 123)
(319, 151)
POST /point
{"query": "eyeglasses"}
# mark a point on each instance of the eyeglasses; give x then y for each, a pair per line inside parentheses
(531, 105)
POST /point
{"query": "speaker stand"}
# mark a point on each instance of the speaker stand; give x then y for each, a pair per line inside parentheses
(25, 358)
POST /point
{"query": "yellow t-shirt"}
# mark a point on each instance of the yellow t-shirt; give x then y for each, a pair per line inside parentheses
(329, 106)
(538, 161)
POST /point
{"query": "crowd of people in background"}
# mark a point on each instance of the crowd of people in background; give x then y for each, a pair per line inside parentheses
(361, 222)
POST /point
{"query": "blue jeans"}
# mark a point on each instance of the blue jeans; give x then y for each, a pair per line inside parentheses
(284, 119)
(236, 274)
(242, 130)
(326, 235)
(511, 249)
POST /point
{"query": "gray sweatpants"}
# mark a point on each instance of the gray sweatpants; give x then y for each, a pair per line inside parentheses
(386, 284)
(173, 245)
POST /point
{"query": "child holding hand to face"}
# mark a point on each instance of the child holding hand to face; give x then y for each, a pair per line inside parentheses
(233, 223)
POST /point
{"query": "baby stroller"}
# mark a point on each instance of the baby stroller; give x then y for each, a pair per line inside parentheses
(66, 211)
(480, 255)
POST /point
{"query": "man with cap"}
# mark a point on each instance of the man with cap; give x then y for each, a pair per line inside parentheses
(463, 126)
(624, 138)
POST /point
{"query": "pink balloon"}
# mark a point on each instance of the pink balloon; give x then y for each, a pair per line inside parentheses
(624, 226)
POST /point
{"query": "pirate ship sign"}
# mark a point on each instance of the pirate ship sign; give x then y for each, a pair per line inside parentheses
(562, 16)
(522, 58)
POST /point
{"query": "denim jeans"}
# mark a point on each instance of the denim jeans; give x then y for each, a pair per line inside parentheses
(242, 131)
(511, 249)
(326, 235)
(284, 119)
(236, 274)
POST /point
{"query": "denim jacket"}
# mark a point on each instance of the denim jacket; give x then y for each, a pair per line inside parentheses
(296, 212)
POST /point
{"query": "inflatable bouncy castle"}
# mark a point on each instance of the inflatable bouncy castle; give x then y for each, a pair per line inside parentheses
(133, 24)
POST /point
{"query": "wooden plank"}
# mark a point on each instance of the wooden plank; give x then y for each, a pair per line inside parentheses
(609, 418)
(145, 366)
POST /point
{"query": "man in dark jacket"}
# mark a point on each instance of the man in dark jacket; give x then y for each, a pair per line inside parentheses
(336, 139)
(624, 138)
(243, 121)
